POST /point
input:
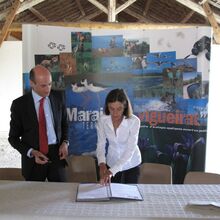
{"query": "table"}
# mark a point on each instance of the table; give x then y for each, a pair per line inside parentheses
(47, 200)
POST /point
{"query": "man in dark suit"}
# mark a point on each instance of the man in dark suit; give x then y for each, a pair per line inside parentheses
(38, 165)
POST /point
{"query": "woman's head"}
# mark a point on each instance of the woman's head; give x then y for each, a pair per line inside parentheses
(117, 104)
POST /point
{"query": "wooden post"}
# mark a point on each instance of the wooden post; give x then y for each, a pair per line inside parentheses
(212, 21)
(111, 10)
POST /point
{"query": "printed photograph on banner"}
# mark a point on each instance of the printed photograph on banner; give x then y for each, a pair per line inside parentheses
(84, 101)
(52, 63)
(186, 65)
(198, 107)
(67, 64)
(116, 64)
(26, 83)
(136, 47)
(84, 63)
(147, 86)
(107, 46)
(205, 89)
(192, 85)
(173, 81)
(81, 43)
(176, 146)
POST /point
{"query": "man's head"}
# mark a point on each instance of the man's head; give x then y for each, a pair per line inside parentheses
(41, 80)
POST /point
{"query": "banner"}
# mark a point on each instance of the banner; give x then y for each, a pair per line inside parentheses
(165, 73)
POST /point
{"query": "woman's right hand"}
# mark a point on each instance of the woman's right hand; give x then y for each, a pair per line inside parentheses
(102, 170)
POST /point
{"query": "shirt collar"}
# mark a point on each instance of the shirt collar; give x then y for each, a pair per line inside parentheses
(124, 122)
(36, 97)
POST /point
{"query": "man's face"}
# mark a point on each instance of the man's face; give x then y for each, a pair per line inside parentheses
(42, 83)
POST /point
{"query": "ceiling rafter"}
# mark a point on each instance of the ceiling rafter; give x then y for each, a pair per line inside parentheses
(136, 15)
(124, 5)
(111, 11)
(24, 6)
(146, 7)
(99, 5)
(38, 14)
(80, 8)
(187, 17)
(197, 8)
(8, 20)
(90, 16)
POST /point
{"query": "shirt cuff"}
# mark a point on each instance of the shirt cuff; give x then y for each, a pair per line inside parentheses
(29, 153)
(114, 170)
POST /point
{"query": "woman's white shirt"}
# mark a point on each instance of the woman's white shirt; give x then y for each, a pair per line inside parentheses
(122, 152)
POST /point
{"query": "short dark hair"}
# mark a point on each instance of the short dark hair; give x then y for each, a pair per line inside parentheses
(120, 96)
(32, 75)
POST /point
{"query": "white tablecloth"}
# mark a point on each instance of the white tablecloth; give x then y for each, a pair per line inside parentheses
(43, 200)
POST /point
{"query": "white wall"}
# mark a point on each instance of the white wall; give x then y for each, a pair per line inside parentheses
(213, 134)
(10, 78)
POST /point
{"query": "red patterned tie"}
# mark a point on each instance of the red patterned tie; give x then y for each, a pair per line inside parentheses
(42, 129)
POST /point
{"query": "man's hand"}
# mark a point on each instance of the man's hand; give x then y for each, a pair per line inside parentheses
(39, 157)
(63, 150)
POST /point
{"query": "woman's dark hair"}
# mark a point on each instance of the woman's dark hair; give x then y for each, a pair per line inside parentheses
(120, 96)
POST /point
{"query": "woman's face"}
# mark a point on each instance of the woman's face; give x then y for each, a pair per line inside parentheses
(116, 110)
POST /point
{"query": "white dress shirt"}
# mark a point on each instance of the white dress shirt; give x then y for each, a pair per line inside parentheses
(51, 135)
(123, 152)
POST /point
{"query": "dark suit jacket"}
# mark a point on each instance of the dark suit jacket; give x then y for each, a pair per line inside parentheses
(24, 128)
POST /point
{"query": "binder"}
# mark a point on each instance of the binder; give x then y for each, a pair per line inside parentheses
(90, 192)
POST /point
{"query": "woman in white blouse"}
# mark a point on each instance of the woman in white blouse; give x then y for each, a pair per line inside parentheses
(117, 151)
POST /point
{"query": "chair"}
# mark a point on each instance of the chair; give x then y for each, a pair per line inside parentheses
(81, 169)
(11, 174)
(155, 173)
(201, 178)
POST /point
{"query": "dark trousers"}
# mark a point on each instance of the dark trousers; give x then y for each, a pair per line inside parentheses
(53, 171)
(127, 176)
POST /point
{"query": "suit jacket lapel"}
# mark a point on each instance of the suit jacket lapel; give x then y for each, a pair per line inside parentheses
(54, 107)
(31, 110)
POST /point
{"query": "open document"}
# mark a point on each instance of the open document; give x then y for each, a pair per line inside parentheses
(97, 192)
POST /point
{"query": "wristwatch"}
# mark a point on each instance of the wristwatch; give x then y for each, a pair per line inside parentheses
(67, 142)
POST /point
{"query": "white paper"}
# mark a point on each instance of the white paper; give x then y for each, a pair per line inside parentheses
(205, 203)
(92, 192)
(125, 191)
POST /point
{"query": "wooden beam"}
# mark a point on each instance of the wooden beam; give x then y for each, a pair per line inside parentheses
(187, 17)
(136, 15)
(80, 8)
(90, 16)
(111, 10)
(212, 21)
(38, 14)
(197, 8)
(125, 5)
(146, 7)
(24, 6)
(16, 35)
(8, 20)
(17, 27)
(99, 5)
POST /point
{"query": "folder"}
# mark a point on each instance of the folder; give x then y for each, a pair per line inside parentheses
(87, 192)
